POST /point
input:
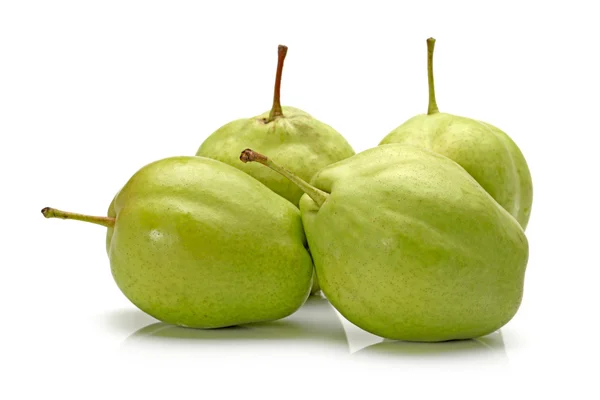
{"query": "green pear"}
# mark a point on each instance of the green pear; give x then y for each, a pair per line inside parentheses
(407, 245)
(197, 243)
(300, 142)
(486, 152)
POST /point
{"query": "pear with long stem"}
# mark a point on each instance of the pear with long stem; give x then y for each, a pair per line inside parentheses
(197, 243)
(407, 245)
(486, 152)
(300, 142)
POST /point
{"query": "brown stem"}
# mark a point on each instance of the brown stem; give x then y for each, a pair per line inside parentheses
(317, 195)
(276, 110)
(54, 213)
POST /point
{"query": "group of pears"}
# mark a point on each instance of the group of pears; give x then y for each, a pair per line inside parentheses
(420, 238)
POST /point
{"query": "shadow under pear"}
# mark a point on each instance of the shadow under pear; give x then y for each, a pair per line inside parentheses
(316, 322)
(489, 347)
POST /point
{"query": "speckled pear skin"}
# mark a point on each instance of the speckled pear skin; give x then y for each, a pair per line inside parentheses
(298, 141)
(198, 243)
(486, 152)
(409, 246)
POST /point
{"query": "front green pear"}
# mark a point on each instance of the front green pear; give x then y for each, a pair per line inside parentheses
(197, 243)
(300, 142)
(486, 152)
(407, 245)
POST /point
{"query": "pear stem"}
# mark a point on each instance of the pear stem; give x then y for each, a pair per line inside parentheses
(433, 108)
(276, 111)
(54, 213)
(317, 195)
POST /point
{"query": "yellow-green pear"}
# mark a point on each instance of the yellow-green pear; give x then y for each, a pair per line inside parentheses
(300, 142)
(197, 243)
(486, 152)
(407, 245)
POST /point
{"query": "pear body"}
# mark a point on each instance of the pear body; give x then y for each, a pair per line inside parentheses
(300, 142)
(486, 152)
(409, 246)
(198, 243)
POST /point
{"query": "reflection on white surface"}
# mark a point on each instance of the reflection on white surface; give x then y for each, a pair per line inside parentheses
(315, 322)
(127, 320)
(315, 327)
(489, 348)
(357, 337)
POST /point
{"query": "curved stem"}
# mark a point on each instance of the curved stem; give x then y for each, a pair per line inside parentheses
(54, 213)
(276, 110)
(433, 108)
(317, 195)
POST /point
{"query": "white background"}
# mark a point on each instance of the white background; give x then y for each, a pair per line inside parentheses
(92, 91)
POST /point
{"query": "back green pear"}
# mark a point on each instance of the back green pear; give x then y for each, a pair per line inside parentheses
(486, 152)
(300, 142)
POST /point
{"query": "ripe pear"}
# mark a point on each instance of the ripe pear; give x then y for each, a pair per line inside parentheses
(486, 152)
(197, 243)
(300, 142)
(408, 246)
